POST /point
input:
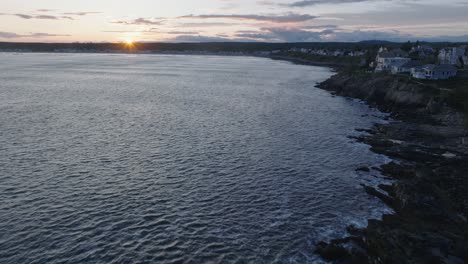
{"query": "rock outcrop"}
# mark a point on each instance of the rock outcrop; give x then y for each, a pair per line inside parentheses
(430, 168)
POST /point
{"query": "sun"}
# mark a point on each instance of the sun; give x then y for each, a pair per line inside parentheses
(129, 42)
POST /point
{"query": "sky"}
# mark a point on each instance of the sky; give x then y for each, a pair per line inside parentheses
(232, 20)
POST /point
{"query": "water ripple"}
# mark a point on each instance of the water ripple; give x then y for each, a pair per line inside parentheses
(174, 159)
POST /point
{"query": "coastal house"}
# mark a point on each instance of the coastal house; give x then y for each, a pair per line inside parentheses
(320, 52)
(300, 50)
(453, 56)
(338, 53)
(358, 53)
(434, 72)
(382, 49)
(405, 67)
(418, 72)
(386, 60)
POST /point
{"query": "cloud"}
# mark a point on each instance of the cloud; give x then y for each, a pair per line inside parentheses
(265, 37)
(287, 18)
(45, 10)
(181, 32)
(139, 21)
(24, 16)
(43, 17)
(305, 3)
(293, 35)
(320, 26)
(278, 34)
(198, 38)
(208, 24)
(43, 35)
(11, 35)
(8, 35)
(80, 13)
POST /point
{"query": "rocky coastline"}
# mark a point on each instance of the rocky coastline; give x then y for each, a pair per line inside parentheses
(429, 193)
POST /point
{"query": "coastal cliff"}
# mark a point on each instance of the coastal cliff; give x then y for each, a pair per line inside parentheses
(430, 190)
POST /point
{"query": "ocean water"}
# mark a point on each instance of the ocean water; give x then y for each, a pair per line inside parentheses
(175, 159)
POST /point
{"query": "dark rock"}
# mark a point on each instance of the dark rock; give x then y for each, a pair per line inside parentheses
(387, 188)
(430, 194)
(386, 199)
(331, 252)
(363, 168)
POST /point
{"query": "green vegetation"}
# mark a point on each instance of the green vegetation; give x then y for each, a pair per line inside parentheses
(407, 46)
(454, 92)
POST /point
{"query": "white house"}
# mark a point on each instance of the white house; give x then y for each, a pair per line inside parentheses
(320, 52)
(338, 53)
(418, 72)
(451, 55)
(382, 49)
(434, 72)
(385, 61)
(405, 67)
(357, 53)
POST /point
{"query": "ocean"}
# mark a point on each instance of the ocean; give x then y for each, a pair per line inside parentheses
(113, 158)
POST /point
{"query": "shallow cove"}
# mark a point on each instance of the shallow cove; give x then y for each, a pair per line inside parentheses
(187, 159)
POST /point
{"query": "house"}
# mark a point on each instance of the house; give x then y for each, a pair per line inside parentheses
(451, 56)
(382, 49)
(397, 66)
(386, 60)
(357, 53)
(322, 52)
(434, 72)
(338, 53)
(405, 67)
(418, 72)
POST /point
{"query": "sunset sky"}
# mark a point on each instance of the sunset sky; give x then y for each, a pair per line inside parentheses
(232, 20)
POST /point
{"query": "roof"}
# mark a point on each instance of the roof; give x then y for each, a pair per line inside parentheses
(412, 64)
(397, 63)
(442, 67)
(429, 67)
(445, 67)
(418, 68)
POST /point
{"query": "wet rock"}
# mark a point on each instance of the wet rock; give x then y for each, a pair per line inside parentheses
(363, 168)
(386, 199)
(331, 252)
(430, 194)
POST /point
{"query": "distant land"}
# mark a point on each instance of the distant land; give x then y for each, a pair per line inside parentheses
(211, 47)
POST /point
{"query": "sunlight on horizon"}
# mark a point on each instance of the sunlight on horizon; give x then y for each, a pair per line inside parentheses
(228, 20)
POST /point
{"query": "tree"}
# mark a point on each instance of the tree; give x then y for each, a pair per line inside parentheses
(407, 46)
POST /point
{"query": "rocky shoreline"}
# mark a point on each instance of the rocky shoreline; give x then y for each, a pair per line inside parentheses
(430, 168)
